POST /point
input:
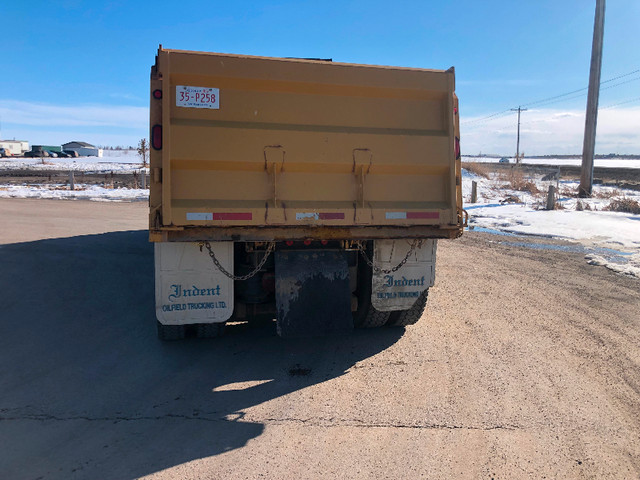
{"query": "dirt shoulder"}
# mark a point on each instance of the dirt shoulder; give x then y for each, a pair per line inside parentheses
(526, 365)
(26, 220)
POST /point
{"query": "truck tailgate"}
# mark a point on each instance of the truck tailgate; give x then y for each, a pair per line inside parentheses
(258, 142)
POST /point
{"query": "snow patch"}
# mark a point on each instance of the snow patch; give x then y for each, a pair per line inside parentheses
(82, 192)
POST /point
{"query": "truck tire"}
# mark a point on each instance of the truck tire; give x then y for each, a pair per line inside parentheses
(402, 318)
(170, 332)
(374, 318)
(210, 330)
(367, 316)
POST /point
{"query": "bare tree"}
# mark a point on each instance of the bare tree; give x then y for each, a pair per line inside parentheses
(143, 151)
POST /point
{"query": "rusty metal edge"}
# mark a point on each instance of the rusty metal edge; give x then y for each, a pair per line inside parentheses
(261, 234)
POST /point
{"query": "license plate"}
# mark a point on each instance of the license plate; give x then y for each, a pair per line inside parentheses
(197, 97)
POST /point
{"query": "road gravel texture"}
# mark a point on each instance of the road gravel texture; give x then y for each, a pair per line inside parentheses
(526, 365)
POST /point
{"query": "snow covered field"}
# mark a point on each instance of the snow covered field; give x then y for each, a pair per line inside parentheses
(82, 192)
(117, 161)
(609, 163)
(607, 238)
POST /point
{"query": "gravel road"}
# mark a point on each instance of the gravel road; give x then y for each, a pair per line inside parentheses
(527, 365)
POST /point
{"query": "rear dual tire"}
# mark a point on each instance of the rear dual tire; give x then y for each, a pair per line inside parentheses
(201, 330)
(367, 316)
(402, 318)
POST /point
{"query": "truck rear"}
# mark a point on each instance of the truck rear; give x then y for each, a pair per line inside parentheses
(310, 191)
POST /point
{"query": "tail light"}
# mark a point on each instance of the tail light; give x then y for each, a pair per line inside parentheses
(156, 137)
(157, 94)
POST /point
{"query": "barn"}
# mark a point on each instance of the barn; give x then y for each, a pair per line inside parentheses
(84, 149)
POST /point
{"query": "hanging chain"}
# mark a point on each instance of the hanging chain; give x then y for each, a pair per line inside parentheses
(414, 245)
(270, 249)
(272, 245)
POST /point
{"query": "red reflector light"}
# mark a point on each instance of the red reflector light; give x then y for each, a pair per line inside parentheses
(307, 242)
(156, 137)
(324, 242)
(289, 243)
(457, 148)
(157, 94)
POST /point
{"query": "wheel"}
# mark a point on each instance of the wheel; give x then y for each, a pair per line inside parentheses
(375, 318)
(210, 330)
(367, 316)
(402, 318)
(170, 332)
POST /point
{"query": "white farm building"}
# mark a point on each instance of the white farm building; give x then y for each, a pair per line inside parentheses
(84, 149)
(15, 147)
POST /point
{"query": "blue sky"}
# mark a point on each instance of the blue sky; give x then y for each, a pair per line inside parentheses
(79, 70)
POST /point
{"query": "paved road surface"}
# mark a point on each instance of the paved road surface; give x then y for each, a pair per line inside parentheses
(526, 366)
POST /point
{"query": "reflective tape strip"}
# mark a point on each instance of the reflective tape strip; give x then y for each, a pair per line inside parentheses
(199, 216)
(320, 216)
(331, 216)
(430, 215)
(232, 216)
(411, 215)
(305, 216)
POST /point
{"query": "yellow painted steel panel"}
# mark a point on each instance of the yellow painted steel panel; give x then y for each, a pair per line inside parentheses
(299, 143)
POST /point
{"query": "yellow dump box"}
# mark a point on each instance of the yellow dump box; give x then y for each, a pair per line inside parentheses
(299, 154)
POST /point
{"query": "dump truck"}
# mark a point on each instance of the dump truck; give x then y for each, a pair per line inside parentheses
(304, 190)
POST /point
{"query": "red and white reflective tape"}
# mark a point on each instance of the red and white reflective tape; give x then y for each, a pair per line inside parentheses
(412, 215)
(219, 216)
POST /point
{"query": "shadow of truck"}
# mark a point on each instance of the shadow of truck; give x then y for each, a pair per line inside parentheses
(89, 391)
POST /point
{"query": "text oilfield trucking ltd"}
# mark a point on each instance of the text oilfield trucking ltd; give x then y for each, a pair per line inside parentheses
(307, 190)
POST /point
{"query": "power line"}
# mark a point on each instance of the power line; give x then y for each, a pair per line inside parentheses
(580, 95)
(621, 83)
(624, 102)
(586, 88)
(621, 103)
(556, 98)
(507, 111)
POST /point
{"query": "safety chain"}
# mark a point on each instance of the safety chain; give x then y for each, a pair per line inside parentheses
(414, 245)
(270, 249)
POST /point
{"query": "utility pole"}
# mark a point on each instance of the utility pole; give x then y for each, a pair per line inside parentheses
(589, 145)
(519, 109)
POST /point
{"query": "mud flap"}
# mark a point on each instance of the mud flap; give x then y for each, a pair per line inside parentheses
(399, 290)
(313, 296)
(189, 288)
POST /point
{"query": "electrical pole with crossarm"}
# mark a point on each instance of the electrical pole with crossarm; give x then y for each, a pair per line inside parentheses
(519, 109)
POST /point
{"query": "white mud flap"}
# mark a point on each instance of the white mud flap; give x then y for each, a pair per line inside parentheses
(399, 290)
(189, 287)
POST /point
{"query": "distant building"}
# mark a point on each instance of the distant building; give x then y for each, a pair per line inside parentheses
(84, 149)
(15, 147)
(46, 148)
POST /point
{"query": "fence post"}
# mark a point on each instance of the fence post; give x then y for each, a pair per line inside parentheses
(474, 191)
(72, 182)
(144, 179)
(551, 198)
